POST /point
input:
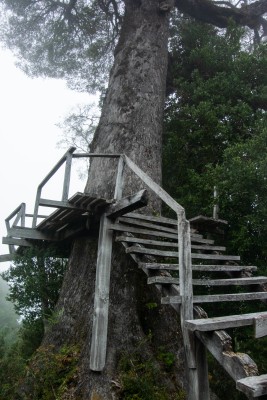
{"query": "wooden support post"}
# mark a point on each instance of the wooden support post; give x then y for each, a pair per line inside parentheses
(101, 304)
(66, 183)
(198, 386)
(119, 179)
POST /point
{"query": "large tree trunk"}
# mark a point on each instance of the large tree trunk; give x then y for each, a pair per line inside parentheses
(131, 123)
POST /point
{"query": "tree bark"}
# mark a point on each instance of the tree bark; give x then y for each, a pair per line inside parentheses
(131, 123)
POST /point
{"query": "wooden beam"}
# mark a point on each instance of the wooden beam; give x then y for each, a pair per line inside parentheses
(127, 204)
(219, 344)
(213, 298)
(154, 186)
(101, 303)
(59, 204)
(253, 386)
(16, 242)
(30, 233)
(218, 323)
(7, 257)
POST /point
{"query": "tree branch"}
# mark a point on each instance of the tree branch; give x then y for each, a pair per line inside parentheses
(219, 13)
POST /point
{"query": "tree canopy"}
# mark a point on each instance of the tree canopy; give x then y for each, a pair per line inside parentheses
(76, 39)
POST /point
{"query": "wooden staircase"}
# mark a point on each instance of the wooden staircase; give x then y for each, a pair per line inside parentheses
(152, 242)
(188, 269)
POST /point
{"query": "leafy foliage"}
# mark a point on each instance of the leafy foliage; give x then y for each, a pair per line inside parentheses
(35, 280)
(59, 39)
(219, 101)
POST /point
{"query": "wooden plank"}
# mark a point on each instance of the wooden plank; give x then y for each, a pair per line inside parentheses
(7, 257)
(16, 242)
(212, 282)
(132, 221)
(156, 252)
(260, 325)
(166, 244)
(66, 182)
(218, 323)
(59, 204)
(257, 280)
(154, 186)
(162, 280)
(253, 386)
(219, 344)
(213, 298)
(101, 302)
(127, 228)
(119, 179)
(205, 268)
(129, 203)
(30, 233)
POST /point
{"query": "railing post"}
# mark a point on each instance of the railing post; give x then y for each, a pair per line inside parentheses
(36, 206)
(119, 179)
(198, 385)
(66, 183)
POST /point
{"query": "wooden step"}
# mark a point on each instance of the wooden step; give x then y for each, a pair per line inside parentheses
(258, 280)
(218, 323)
(204, 268)
(214, 298)
(254, 386)
(156, 252)
(161, 243)
(120, 227)
(133, 221)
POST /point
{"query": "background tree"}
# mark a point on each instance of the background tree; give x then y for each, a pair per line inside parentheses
(73, 39)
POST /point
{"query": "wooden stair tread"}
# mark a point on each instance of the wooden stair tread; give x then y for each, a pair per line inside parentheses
(218, 323)
(156, 252)
(121, 227)
(258, 280)
(213, 298)
(254, 386)
(206, 268)
(162, 243)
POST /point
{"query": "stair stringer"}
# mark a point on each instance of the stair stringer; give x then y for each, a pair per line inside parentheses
(219, 343)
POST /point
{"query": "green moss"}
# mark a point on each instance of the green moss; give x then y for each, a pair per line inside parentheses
(142, 379)
(51, 373)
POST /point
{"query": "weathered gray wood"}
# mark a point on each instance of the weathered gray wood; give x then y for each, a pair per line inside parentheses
(219, 344)
(59, 204)
(66, 182)
(30, 233)
(126, 228)
(171, 267)
(16, 242)
(127, 204)
(257, 280)
(96, 155)
(254, 386)
(45, 180)
(101, 303)
(218, 323)
(213, 298)
(162, 243)
(119, 179)
(7, 257)
(159, 220)
(260, 325)
(162, 280)
(211, 282)
(142, 224)
(156, 252)
(154, 186)
(206, 268)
